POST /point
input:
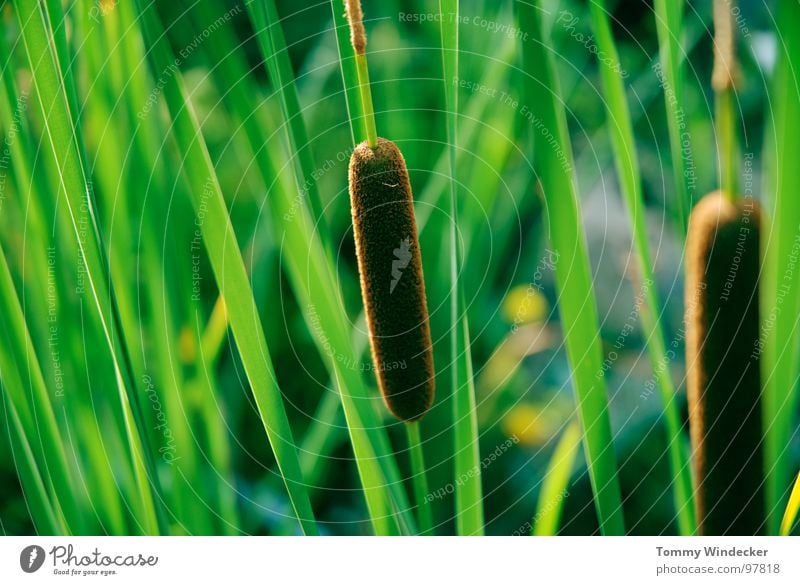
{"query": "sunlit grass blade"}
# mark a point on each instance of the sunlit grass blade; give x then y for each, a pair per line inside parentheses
(269, 32)
(627, 162)
(669, 23)
(419, 479)
(555, 487)
(65, 151)
(469, 493)
(28, 395)
(792, 508)
(576, 302)
(780, 300)
(227, 264)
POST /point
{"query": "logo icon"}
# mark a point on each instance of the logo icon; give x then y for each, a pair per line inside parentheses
(31, 558)
(403, 257)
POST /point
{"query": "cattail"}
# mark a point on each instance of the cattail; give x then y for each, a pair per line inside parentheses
(724, 387)
(392, 285)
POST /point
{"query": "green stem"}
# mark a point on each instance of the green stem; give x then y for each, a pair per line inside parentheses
(420, 480)
(366, 100)
(726, 139)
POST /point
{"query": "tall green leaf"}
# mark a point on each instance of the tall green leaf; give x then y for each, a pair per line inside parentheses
(577, 305)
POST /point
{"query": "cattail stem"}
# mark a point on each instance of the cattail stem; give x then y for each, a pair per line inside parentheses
(419, 479)
(358, 38)
(723, 365)
(724, 77)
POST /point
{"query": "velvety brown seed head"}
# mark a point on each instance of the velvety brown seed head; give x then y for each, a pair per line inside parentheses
(392, 286)
(355, 16)
(722, 361)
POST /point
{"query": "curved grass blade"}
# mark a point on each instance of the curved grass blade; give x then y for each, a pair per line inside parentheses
(577, 306)
(780, 302)
(627, 162)
(669, 16)
(792, 507)
(65, 150)
(555, 488)
(469, 493)
(43, 515)
(227, 263)
(269, 32)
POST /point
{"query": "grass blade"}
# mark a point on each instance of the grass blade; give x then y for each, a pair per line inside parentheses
(227, 264)
(469, 493)
(577, 306)
(555, 488)
(792, 507)
(266, 22)
(627, 163)
(65, 150)
(780, 302)
(669, 16)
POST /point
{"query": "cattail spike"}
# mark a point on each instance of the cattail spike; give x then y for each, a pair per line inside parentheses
(722, 361)
(392, 284)
(355, 16)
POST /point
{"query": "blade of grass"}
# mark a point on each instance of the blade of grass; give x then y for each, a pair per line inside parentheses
(227, 263)
(577, 305)
(36, 497)
(38, 421)
(669, 17)
(469, 494)
(623, 144)
(419, 479)
(555, 487)
(780, 302)
(792, 507)
(66, 152)
(266, 22)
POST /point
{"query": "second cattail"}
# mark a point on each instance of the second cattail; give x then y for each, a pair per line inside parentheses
(722, 360)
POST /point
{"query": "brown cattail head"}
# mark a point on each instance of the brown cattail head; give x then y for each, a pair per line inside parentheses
(355, 16)
(391, 278)
(722, 361)
(726, 70)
